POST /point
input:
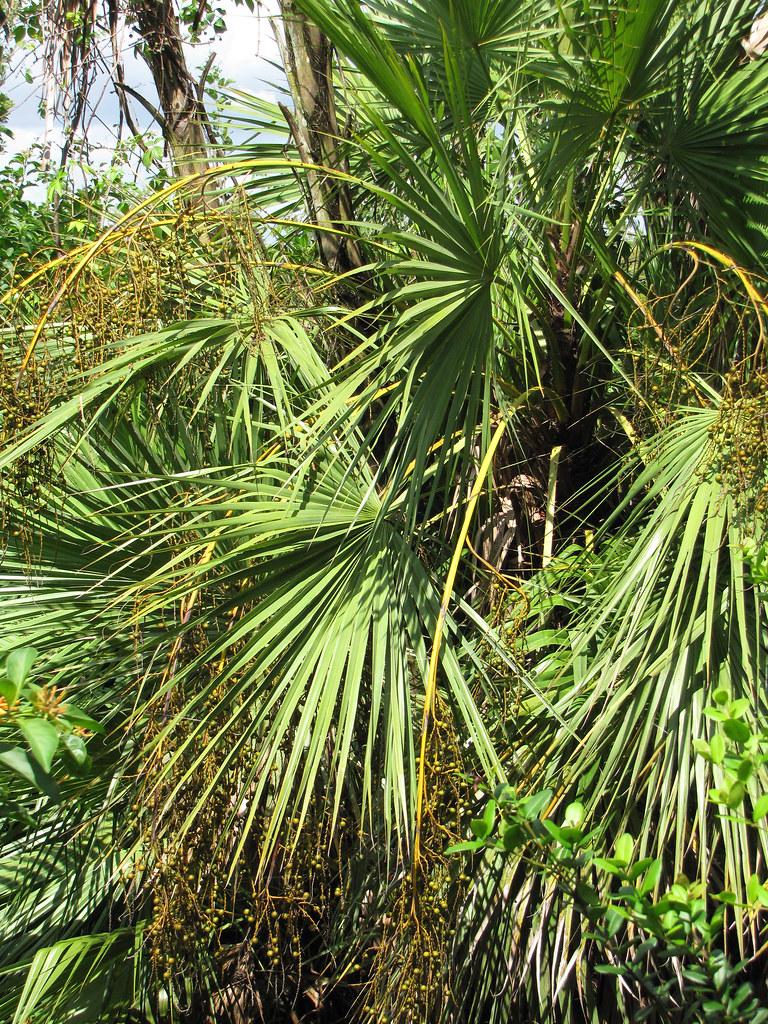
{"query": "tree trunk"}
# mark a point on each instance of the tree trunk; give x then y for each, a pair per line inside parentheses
(307, 58)
(183, 118)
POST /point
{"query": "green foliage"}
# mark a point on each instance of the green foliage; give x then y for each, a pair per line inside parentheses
(27, 239)
(663, 943)
(233, 489)
(26, 224)
(639, 926)
(49, 724)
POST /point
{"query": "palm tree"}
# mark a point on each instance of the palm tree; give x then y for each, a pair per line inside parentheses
(324, 546)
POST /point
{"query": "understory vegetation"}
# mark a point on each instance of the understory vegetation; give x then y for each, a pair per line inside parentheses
(384, 585)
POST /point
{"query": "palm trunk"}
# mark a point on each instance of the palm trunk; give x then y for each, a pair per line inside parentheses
(183, 118)
(307, 58)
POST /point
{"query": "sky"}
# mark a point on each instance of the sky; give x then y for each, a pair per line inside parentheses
(243, 54)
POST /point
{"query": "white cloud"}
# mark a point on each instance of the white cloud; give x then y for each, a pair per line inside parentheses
(23, 138)
(245, 49)
(243, 53)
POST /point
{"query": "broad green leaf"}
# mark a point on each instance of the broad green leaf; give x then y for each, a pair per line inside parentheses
(483, 826)
(760, 809)
(735, 795)
(9, 692)
(625, 845)
(43, 739)
(587, 895)
(638, 868)
(736, 730)
(20, 762)
(554, 830)
(533, 805)
(17, 759)
(75, 745)
(464, 847)
(574, 814)
(651, 879)
(703, 749)
(727, 897)
(611, 865)
(512, 837)
(716, 714)
(610, 969)
(614, 921)
(737, 708)
(753, 888)
(503, 793)
(73, 714)
(18, 663)
(717, 748)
